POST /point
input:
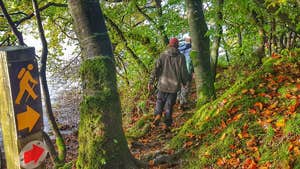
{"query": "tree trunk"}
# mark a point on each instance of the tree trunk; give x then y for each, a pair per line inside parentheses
(260, 51)
(161, 26)
(102, 143)
(217, 40)
(200, 53)
(59, 139)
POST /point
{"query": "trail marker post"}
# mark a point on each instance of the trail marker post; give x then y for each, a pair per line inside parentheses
(21, 109)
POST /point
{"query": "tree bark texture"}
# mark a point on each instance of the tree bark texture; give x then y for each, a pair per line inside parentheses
(260, 51)
(200, 53)
(59, 139)
(102, 143)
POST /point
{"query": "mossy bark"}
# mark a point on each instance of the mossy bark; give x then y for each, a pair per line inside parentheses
(200, 53)
(102, 143)
(101, 138)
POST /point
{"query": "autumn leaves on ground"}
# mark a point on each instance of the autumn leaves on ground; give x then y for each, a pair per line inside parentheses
(254, 123)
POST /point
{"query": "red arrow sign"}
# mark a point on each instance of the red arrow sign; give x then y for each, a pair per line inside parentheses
(33, 155)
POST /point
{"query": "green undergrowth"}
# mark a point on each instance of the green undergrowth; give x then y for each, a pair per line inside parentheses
(234, 131)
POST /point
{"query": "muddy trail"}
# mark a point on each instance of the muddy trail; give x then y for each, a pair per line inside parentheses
(152, 147)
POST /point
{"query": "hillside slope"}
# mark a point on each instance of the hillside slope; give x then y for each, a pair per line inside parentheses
(255, 124)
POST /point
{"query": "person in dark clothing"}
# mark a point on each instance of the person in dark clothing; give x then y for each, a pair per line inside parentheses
(170, 71)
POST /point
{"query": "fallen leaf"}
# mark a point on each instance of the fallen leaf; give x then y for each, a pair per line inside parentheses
(291, 146)
(259, 105)
(221, 161)
(296, 151)
(240, 135)
(251, 143)
(280, 123)
(223, 136)
(233, 110)
(280, 78)
(187, 144)
(267, 112)
(244, 91)
(234, 162)
(275, 56)
(249, 164)
(239, 151)
(223, 124)
(288, 95)
(237, 117)
(190, 135)
(298, 86)
(232, 147)
(252, 91)
(245, 135)
(252, 111)
(273, 105)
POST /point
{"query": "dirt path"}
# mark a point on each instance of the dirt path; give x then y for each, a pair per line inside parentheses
(152, 147)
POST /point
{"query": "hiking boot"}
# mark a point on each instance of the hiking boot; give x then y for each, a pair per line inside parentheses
(156, 120)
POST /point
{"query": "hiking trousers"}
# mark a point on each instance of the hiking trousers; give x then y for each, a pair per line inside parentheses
(167, 101)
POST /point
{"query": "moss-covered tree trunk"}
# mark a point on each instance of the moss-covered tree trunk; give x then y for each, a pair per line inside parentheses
(102, 143)
(200, 53)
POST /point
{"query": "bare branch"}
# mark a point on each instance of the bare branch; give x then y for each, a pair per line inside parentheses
(121, 35)
(50, 4)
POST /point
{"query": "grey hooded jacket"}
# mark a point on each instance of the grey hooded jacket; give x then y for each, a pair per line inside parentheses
(170, 71)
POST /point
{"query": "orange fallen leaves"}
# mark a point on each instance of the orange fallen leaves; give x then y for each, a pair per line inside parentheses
(273, 105)
(296, 151)
(187, 144)
(237, 117)
(280, 123)
(244, 91)
(221, 162)
(259, 105)
(267, 112)
(252, 91)
(190, 135)
(151, 162)
(235, 162)
(280, 78)
(223, 124)
(233, 110)
(275, 56)
(298, 86)
(252, 111)
(249, 164)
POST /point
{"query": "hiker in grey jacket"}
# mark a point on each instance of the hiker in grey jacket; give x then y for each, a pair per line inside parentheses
(170, 71)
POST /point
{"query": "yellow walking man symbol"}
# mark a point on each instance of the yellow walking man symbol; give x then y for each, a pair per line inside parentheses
(26, 78)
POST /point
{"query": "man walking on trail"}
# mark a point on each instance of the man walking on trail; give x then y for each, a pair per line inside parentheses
(170, 71)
